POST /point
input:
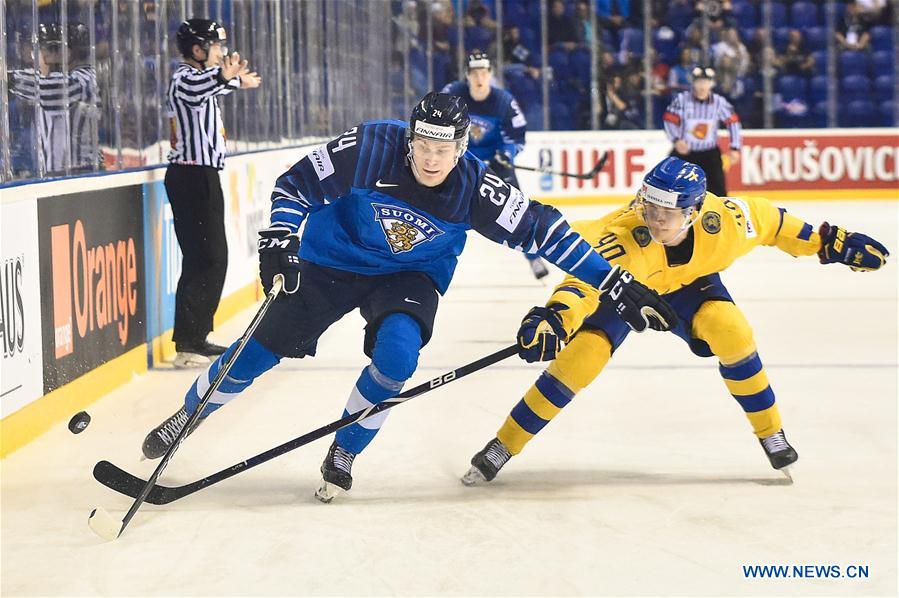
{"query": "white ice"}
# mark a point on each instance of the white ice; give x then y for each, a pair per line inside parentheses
(649, 483)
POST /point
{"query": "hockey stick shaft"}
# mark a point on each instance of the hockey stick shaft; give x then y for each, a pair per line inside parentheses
(585, 176)
(122, 481)
(277, 284)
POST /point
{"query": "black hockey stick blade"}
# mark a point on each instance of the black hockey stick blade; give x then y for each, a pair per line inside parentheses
(121, 481)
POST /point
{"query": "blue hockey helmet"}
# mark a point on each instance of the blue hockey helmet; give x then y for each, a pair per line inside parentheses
(675, 183)
(671, 198)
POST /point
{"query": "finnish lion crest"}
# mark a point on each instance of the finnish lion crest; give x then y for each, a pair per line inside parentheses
(403, 228)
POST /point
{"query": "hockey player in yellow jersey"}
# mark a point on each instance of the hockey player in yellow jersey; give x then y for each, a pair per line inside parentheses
(675, 238)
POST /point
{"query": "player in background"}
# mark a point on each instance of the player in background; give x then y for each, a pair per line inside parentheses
(497, 126)
(677, 238)
(691, 123)
(386, 207)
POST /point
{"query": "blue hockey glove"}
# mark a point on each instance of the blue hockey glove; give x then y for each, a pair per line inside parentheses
(541, 334)
(635, 303)
(279, 254)
(859, 252)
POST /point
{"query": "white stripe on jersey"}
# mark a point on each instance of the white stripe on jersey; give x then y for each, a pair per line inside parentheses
(697, 122)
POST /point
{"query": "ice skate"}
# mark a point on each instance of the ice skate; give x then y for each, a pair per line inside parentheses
(163, 436)
(538, 267)
(781, 455)
(337, 474)
(487, 463)
(196, 355)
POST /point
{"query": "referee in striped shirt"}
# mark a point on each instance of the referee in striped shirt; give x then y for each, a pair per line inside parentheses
(192, 181)
(691, 123)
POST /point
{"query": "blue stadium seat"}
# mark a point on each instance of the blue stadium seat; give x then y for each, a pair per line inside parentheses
(441, 62)
(477, 38)
(778, 14)
(747, 33)
(665, 43)
(780, 38)
(820, 62)
(853, 63)
(804, 15)
(746, 15)
(881, 38)
(882, 63)
(859, 113)
(530, 39)
(854, 88)
(558, 60)
(515, 14)
(632, 41)
(580, 61)
(534, 116)
(818, 89)
(680, 16)
(815, 38)
(888, 114)
(792, 88)
(884, 88)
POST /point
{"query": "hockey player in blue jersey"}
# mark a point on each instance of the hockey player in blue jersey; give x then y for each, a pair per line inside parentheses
(497, 126)
(386, 208)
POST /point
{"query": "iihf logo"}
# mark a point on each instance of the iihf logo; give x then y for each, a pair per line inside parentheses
(403, 228)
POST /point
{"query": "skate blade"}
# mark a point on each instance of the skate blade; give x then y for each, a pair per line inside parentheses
(473, 477)
(788, 473)
(327, 492)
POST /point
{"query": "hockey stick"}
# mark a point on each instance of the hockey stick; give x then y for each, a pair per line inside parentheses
(586, 176)
(107, 527)
(121, 481)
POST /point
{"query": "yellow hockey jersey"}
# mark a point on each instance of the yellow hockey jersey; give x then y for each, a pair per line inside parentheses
(727, 228)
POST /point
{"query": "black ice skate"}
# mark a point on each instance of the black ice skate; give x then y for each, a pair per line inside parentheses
(780, 453)
(337, 473)
(163, 436)
(487, 463)
(196, 355)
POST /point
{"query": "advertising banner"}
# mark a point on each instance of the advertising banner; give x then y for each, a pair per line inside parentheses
(816, 159)
(162, 264)
(92, 283)
(20, 311)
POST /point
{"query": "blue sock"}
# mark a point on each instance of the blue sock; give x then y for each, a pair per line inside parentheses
(371, 388)
(253, 361)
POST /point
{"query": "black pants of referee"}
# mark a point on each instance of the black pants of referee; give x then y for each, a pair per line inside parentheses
(710, 162)
(198, 210)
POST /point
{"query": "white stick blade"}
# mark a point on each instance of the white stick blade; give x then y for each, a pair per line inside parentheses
(104, 525)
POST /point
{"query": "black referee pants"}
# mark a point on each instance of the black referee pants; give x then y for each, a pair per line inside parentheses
(198, 210)
(710, 161)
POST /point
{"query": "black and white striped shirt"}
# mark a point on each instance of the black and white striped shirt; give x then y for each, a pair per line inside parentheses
(198, 135)
(62, 144)
(696, 121)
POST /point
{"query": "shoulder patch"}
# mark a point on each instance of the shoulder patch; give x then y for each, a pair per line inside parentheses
(711, 222)
(641, 236)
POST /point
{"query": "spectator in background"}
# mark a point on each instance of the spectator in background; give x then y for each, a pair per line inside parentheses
(516, 53)
(692, 42)
(620, 102)
(852, 32)
(873, 12)
(613, 14)
(478, 15)
(562, 29)
(583, 23)
(720, 15)
(679, 75)
(795, 60)
(731, 59)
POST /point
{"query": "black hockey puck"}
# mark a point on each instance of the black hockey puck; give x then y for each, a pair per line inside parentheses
(79, 422)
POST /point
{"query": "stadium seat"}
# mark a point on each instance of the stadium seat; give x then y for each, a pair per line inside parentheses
(804, 15)
(580, 61)
(791, 88)
(820, 57)
(859, 113)
(853, 63)
(882, 63)
(558, 60)
(665, 41)
(818, 89)
(888, 114)
(815, 38)
(881, 39)
(477, 38)
(854, 88)
(778, 14)
(746, 15)
(632, 41)
(884, 88)
(530, 39)
(680, 16)
(780, 38)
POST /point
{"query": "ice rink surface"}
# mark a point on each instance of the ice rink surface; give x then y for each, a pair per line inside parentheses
(650, 483)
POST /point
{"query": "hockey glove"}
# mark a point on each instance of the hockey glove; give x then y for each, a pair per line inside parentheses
(859, 252)
(279, 254)
(639, 306)
(541, 334)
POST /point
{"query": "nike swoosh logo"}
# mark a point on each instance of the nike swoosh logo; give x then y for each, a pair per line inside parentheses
(378, 183)
(706, 287)
(407, 300)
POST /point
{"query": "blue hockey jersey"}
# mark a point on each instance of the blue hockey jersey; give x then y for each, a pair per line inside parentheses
(367, 213)
(497, 123)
